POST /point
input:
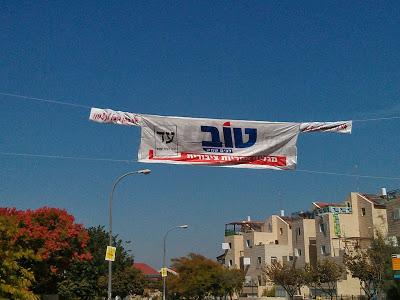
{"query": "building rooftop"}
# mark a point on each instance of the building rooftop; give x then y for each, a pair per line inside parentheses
(238, 227)
(246, 223)
(288, 220)
(146, 269)
(394, 194)
(302, 215)
(325, 204)
(377, 200)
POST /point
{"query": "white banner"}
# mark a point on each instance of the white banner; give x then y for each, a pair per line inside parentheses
(126, 118)
(339, 126)
(214, 142)
(225, 143)
(115, 117)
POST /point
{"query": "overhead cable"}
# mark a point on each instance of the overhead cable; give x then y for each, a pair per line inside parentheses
(30, 155)
(89, 107)
(44, 100)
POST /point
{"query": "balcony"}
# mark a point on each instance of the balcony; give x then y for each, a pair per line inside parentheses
(229, 232)
(240, 227)
(334, 210)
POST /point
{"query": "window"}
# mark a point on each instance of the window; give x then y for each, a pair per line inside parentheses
(363, 211)
(280, 230)
(323, 250)
(298, 231)
(274, 259)
(259, 260)
(322, 228)
(230, 263)
(259, 280)
(248, 243)
(297, 252)
(396, 214)
(230, 245)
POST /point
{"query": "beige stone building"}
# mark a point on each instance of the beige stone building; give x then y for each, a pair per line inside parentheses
(249, 245)
(322, 232)
(304, 239)
(356, 221)
(393, 215)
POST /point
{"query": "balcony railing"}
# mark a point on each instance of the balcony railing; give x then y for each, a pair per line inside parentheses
(334, 210)
(232, 232)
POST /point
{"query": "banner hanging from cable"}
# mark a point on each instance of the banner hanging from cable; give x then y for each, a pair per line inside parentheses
(216, 142)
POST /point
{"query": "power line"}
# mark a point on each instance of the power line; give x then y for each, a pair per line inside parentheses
(85, 106)
(377, 119)
(30, 155)
(347, 174)
(44, 100)
(65, 157)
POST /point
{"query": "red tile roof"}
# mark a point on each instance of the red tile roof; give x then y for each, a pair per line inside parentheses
(324, 204)
(146, 269)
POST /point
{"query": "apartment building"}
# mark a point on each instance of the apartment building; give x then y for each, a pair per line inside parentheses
(304, 238)
(249, 245)
(393, 215)
(356, 221)
(322, 232)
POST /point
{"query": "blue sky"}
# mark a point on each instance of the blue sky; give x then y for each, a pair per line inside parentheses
(254, 60)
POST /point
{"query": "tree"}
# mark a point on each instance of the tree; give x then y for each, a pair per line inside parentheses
(51, 234)
(200, 277)
(392, 290)
(230, 281)
(88, 279)
(79, 281)
(371, 266)
(287, 276)
(324, 275)
(47, 245)
(15, 279)
(128, 281)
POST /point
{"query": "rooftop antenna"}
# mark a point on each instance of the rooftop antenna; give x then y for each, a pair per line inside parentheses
(280, 201)
(357, 178)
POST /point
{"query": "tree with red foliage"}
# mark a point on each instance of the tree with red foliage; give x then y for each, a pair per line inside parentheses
(54, 236)
(15, 279)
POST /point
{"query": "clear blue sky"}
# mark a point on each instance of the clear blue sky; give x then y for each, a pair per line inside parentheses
(255, 60)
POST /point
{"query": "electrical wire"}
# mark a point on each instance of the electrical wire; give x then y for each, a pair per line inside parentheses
(44, 100)
(347, 174)
(85, 106)
(30, 155)
(132, 161)
(65, 157)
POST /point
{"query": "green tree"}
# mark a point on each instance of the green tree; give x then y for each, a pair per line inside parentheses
(79, 281)
(200, 277)
(287, 276)
(392, 289)
(15, 278)
(231, 281)
(88, 279)
(128, 281)
(53, 235)
(372, 266)
(324, 276)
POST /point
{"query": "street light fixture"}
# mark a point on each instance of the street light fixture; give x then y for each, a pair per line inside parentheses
(145, 172)
(185, 226)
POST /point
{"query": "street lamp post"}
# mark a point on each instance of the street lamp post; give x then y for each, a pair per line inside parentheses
(163, 265)
(145, 172)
